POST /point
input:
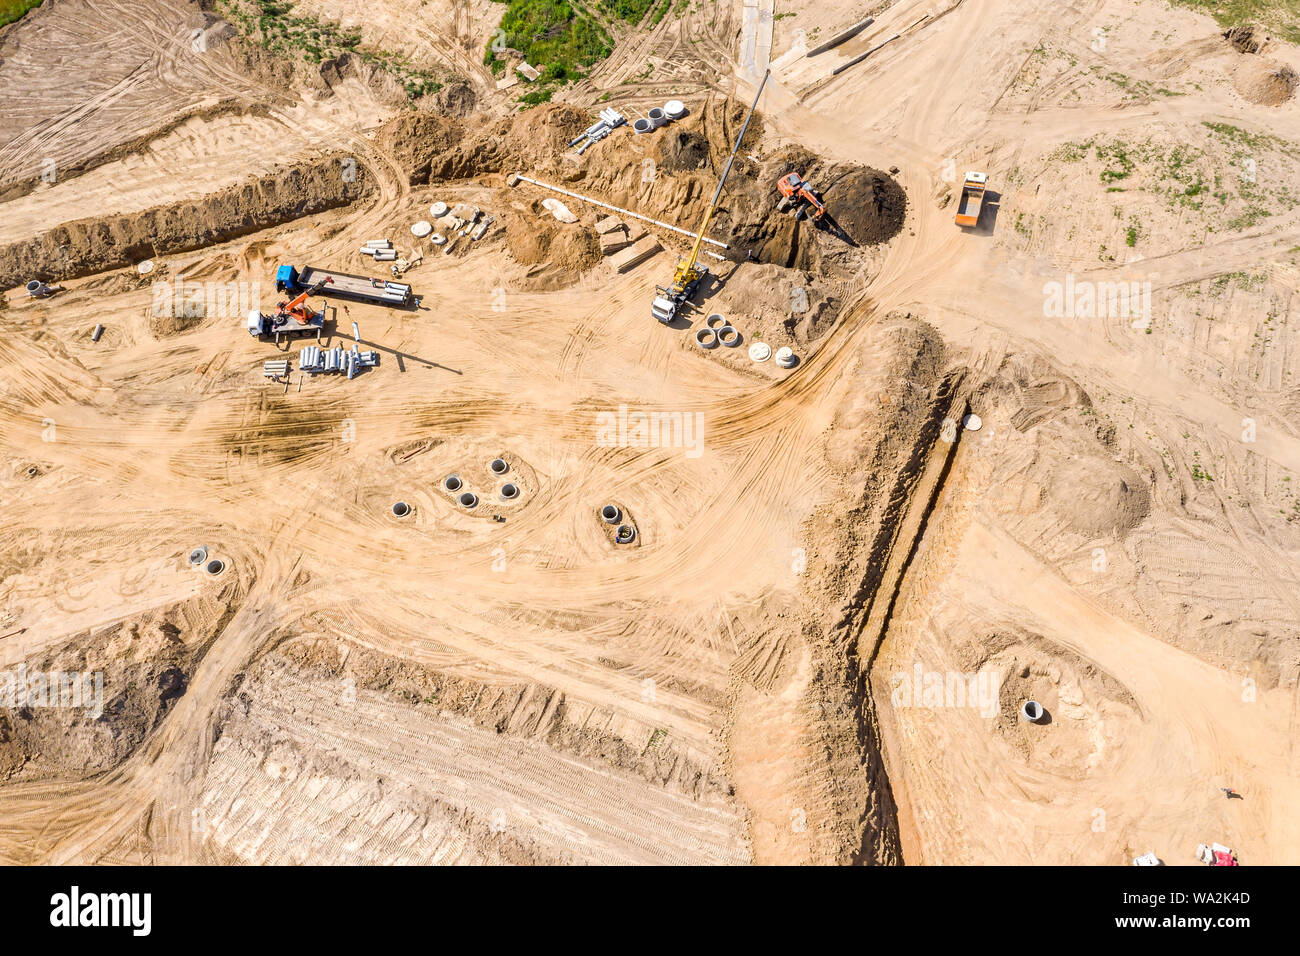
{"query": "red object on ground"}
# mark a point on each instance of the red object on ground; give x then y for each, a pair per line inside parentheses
(1224, 859)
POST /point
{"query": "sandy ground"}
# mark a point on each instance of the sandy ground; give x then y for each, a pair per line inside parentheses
(1116, 541)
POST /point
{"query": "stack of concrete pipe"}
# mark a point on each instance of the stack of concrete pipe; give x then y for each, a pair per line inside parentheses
(381, 250)
(660, 116)
(314, 359)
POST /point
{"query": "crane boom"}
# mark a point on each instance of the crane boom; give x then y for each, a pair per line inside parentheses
(687, 276)
(717, 194)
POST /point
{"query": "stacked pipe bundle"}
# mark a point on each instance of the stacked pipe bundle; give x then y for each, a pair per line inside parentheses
(610, 120)
(314, 359)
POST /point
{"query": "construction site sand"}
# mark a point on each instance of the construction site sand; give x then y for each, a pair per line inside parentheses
(733, 686)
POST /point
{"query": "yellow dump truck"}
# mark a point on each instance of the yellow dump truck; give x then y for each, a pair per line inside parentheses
(972, 199)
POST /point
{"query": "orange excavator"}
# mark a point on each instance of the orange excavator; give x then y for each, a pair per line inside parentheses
(298, 308)
(798, 193)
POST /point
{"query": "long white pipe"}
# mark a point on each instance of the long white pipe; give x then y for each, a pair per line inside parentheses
(618, 209)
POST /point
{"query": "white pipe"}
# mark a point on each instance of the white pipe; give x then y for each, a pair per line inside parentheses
(618, 209)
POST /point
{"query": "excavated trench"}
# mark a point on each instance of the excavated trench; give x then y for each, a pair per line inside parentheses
(100, 243)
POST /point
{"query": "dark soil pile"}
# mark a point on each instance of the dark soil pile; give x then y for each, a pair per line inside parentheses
(1244, 39)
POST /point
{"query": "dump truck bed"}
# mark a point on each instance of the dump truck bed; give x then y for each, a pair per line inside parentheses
(972, 200)
(360, 288)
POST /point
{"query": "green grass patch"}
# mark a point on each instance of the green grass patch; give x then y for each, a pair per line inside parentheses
(1280, 17)
(631, 11)
(558, 38)
(11, 10)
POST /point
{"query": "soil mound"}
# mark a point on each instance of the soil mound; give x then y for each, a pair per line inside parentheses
(554, 252)
(1265, 82)
(417, 140)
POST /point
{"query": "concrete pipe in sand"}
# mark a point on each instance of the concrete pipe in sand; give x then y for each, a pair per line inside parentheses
(498, 466)
(610, 514)
(1032, 711)
(468, 499)
(642, 126)
(625, 534)
(215, 567)
(706, 338)
(716, 321)
(728, 336)
(657, 116)
(452, 483)
(401, 509)
(198, 555)
(509, 491)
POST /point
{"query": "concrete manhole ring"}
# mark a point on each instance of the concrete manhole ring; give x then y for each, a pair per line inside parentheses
(610, 514)
(729, 336)
(706, 338)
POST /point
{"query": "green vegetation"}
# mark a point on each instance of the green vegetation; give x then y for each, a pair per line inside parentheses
(557, 38)
(272, 25)
(630, 10)
(11, 10)
(1281, 17)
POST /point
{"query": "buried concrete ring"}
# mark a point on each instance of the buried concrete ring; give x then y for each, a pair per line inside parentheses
(1032, 711)
(215, 567)
(657, 116)
(509, 491)
(729, 336)
(706, 338)
(452, 483)
(198, 555)
(498, 466)
(401, 509)
(468, 499)
(625, 534)
(610, 514)
(716, 321)
(642, 126)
